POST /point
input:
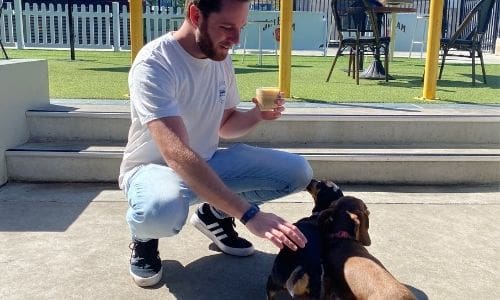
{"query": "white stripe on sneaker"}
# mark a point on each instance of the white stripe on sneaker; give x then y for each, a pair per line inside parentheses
(217, 231)
(221, 237)
(212, 225)
(207, 231)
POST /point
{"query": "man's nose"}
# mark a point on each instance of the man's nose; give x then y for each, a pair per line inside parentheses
(235, 38)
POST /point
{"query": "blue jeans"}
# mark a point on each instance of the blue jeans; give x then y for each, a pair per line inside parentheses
(159, 200)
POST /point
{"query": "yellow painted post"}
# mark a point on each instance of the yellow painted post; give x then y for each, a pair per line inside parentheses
(136, 27)
(432, 55)
(285, 61)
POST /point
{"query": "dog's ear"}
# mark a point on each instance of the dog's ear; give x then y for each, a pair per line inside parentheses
(325, 219)
(355, 219)
(360, 221)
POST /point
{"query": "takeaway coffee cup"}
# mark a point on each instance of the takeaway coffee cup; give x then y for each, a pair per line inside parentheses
(266, 96)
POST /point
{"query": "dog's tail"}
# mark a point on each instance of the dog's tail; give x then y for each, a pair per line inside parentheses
(298, 282)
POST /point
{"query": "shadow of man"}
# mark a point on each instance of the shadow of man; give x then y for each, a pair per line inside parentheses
(219, 276)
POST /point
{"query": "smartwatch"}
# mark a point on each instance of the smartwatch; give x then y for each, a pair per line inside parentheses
(249, 214)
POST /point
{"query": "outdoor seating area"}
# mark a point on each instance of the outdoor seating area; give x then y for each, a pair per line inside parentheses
(353, 23)
(363, 27)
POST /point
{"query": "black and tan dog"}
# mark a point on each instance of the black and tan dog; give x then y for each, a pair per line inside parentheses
(350, 271)
(297, 274)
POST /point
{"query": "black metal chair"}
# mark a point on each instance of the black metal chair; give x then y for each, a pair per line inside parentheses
(1, 20)
(355, 18)
(469, 36)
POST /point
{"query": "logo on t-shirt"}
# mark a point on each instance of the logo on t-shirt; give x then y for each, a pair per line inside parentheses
(222, 92)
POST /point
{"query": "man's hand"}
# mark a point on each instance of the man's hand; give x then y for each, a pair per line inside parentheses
(274, 114)
(278, 231)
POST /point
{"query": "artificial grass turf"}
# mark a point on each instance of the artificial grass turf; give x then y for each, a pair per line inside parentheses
(103, 75)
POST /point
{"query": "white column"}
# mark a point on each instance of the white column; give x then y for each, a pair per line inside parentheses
(116, 26)
(18, 10)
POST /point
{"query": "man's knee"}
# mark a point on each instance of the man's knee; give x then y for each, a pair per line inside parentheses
(302, 174)
(157, 205)
(158, 217)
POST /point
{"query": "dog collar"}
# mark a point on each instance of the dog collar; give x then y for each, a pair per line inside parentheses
(342, 235)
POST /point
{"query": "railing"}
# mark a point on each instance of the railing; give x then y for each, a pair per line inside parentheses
(102, 27)
(95, 26)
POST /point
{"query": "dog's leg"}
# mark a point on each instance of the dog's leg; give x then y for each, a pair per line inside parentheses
(298, 282)
(327, 288)
(271, 289)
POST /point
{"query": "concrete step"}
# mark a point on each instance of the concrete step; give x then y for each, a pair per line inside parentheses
(357, 163)
(340, 123)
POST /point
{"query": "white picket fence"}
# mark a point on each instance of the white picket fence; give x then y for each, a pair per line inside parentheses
(95, 27)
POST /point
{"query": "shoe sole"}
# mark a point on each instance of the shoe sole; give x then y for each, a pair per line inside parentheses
(196, 222)
(149, 281)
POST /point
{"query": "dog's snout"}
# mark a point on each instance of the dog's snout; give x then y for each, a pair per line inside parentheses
(312, 185)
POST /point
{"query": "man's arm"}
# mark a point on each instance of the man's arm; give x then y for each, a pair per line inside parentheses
(238, 123)
(171, 138)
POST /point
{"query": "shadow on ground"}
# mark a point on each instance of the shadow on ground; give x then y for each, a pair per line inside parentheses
(124, 69)
(223, 277)
(219, 277)
(44, 207)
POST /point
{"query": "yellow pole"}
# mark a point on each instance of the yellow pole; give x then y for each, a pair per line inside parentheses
(432, 55)
(136, 27)
(285, 62)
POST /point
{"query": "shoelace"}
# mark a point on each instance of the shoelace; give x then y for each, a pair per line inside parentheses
(132, 246)
(228, 226)
(141, 259)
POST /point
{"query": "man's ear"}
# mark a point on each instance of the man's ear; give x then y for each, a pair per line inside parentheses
(194, 15)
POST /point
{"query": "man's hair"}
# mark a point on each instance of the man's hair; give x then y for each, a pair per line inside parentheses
(207, 7)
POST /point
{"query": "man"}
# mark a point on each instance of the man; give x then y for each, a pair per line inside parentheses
(183, 97)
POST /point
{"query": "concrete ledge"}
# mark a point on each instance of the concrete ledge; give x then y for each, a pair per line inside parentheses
(293, 127)
(391, 164)
(24, 84)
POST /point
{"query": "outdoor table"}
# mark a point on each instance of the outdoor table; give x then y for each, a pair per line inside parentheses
(376, 69)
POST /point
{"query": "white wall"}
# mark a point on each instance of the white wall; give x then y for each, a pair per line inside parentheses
(24, 84)
(309, 30)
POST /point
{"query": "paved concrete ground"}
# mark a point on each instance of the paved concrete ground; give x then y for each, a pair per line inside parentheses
(62, 241)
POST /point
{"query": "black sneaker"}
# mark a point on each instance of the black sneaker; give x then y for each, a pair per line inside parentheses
(145, 262)
(221, 232)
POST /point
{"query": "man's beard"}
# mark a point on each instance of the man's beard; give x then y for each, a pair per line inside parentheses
(206, 46)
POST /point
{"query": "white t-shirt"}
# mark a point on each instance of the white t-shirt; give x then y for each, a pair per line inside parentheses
(166, 81)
